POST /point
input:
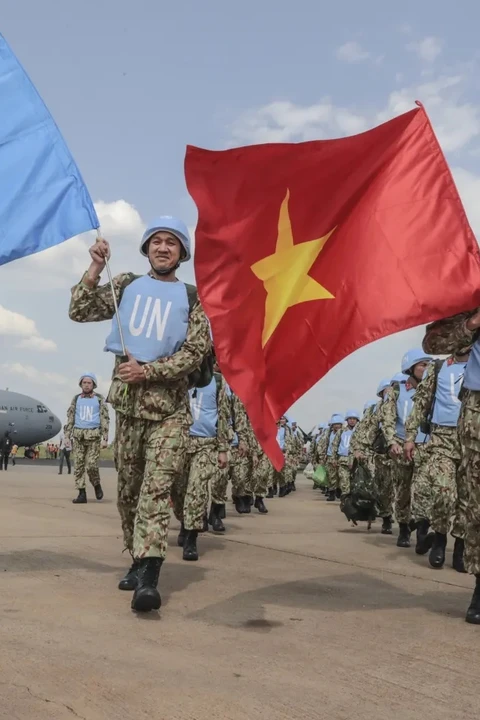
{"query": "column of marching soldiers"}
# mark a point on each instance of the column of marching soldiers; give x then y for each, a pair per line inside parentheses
(402, 459)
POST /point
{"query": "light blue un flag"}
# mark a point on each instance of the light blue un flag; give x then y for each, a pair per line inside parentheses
(43, 199)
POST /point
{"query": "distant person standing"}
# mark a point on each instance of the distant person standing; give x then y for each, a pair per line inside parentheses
(5, 448)
(87, 423)
(65, 447)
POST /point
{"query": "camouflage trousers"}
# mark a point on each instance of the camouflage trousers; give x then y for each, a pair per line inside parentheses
(191, 500)
(219, 484)
(262, 476)
(149, 458)
(291, 465)
(402, 476)
(344, 473)
(240, 473)
(384, 484)
(332, 474)
(86, 455)
(439, 487)
(469, 436)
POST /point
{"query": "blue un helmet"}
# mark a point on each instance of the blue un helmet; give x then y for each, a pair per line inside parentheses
(90, 376)
(337, 419)
(399, 378)
(382, 386)
(173, 225)
(412, 358)
(352, 414)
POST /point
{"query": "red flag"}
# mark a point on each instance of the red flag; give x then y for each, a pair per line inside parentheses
(306, 252)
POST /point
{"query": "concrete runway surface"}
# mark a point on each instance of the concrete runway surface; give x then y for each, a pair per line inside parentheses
(290, 615)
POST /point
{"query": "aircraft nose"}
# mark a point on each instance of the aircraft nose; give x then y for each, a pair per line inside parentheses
(57, 425)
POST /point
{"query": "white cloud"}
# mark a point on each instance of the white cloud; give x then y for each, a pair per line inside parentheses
(352, 52)
(468, 185)
(284, 121)
(427, 49)
(32, 373)
(18, 325)
(37, 343)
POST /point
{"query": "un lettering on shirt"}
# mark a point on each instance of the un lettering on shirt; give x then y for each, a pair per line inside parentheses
(87, 413)
(154, 319)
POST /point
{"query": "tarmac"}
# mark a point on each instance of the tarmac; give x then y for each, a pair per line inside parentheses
(290, 615)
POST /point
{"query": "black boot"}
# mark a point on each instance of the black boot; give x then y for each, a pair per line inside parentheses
(247, 503)
(205, 523)
(338, 493)
(473, 612)
(387, 526)
(294, 487)
(270, 493)
(458, 550)
(275, 489)
(215, 518)
(82, 497)
(239, 505)
(129, 582)
(331, 495)
(181, 535)
(260, 505)
(403, 540)
(146, 596)
(190, 551)
(437, 553)
(424, 538)
(282, 492)
(98, 492)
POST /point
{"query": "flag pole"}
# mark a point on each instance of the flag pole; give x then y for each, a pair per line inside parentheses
(115, 304)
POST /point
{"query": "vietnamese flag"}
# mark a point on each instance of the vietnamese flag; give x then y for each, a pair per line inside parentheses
(305, 252)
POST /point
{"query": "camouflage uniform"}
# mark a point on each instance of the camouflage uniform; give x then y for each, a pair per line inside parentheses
(262, 470)
(241, 468)
(292, 457)
(379, 466)
(201, 461)
(343, 465)
(439, 491)
(402, 470)
(152, 423)
(87, 443)
(444, 337)
(281, 477)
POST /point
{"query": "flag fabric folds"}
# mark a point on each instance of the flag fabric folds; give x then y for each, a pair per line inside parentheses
(43, 199)
(306, 252)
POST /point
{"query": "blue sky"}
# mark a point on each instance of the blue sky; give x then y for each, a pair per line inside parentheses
(130, 84)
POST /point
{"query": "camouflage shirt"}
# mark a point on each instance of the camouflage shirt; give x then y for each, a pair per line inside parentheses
(90, 433)
(164, 391)
(447, 336)
(366, 431)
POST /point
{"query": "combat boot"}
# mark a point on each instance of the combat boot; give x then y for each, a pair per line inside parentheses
(260, 505)
(457, 560)
(216, 518)
(129, 581)
(205, 523)
(473, 612)
(403, 540)
(190, 551)
(275, 489)
(239, 505)
(270, 493)
(437, 553)
(282, 491)
(387, 526)
(247, 503)
(146, 596)
(331, 495)
(424, 538)
(81, 498)
(181, 535)
(98, 492)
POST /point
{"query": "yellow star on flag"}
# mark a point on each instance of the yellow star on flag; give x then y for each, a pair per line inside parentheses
(285, 273)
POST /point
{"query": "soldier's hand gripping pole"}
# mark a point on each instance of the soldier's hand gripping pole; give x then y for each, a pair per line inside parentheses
(115, 304)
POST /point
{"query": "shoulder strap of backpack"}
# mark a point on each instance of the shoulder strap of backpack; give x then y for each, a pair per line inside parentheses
(192, 295)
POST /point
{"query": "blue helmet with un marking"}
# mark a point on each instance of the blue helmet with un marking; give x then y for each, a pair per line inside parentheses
(412, 358)
(91, 376)
(352, 414)
(175, 226)
(337, 419)
(383, 386)
(399, 378)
